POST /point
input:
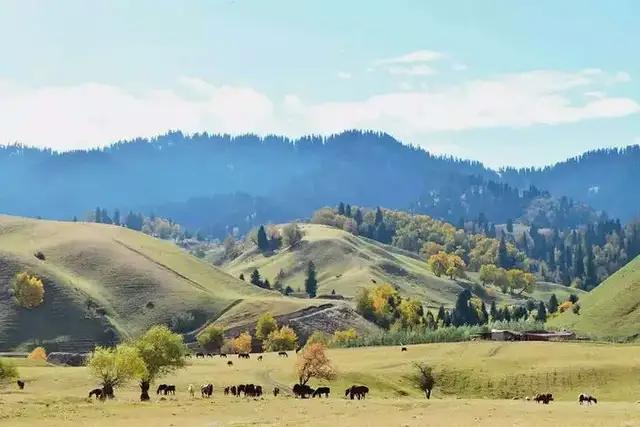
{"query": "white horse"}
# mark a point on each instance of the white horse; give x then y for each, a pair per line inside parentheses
(191, 390)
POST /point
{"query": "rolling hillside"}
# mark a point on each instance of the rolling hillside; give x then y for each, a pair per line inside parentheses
(612, 310)
(106, 282)
(346, 263)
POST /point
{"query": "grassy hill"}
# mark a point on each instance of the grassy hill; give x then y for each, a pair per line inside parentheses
(612, 310)
(103, 281)
(346, 263)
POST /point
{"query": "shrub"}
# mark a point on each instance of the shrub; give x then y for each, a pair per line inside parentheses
(242, 343)
(319, 337)
(28, 290)
(7, 371)
(345, 337)
(292, 234)
(38, 353)
(211, 338)
(281, 340)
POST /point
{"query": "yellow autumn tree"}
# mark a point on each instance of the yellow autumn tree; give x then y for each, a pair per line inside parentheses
(242, 343)
(28, 290)
(38, 353)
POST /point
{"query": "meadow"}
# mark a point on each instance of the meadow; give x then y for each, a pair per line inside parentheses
(477, 383)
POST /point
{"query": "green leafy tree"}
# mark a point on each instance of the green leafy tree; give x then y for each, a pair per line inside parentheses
(114, 367)
(162, 352)
(266, 324)
(282, 339)
(211, 338)
(311, 282)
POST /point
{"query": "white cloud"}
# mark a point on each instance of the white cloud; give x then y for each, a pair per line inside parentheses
(414, 70)
(412, 58)
(91, 114)
(344, 75)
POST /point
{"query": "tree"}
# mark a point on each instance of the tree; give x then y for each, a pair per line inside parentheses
(553, 304)
(242, 343)
(347, 211)
(231, 250)
(311, 283)
(28, 290)
(345, 337)
(411, 313)
(116, 217)
(211, 338)
(503, 259)
(282, 339)
(266, 324)
(38, 353)
(424, 379)
(7, 371)
(541, 315)
(256, 280)
(292, 234)
(313, 363)
(439, 263)
(379, 217)
(116, 366)
(357, 217)
(341, 209)
(493, 312)
(319, 337)
(162, 352)
(263, 242)
(509, 225)
(97, 217)
(455, 267)
(488, 273)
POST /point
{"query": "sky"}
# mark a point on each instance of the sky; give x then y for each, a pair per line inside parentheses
(524, 83)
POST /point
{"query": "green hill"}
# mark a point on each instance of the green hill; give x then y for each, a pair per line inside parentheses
(105, 282)
(612, 310)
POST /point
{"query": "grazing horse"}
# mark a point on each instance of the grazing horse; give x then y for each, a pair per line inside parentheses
(358, 391)
(544, 398)
(223, 355)
(298, 348)
(320, 391)
(302, 391)
(233, 390)
(206, 390)
(244, 356)
(191, 390)
(209, 355)
(260, 358)
(229, 363)
(276, 391)
(170, 389)
(283, 354)
(258, 391)
(97, 392)
(226, 391)
(587, 398)
(240, 389)
(404, 349)
(20, 384)
(162, 388)
(199, 355)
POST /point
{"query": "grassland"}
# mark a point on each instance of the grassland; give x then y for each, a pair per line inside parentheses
(100, 278)
(476, 382)
(612, 310)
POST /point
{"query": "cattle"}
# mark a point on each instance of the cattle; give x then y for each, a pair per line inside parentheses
(260, 358)
(229, 363)
(276, 391)
(191, 390)
(20, 384)
(233, 390)
(283, 354)
(199, 355)
(302, 391)
(320, 391)
(97, 392)
(206, 390)
(587, 398)
(223, 355)
(544, 398)
(357, 391)
(404, 349)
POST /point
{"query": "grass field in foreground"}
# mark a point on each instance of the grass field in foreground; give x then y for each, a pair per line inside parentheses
(476, 382)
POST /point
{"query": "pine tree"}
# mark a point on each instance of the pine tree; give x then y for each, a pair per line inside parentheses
(347, 211)
(541, 316)
(311, 283)
(357, 217)
(116, 217)
(266, 284)
(98, 216)
(263, 242)
(441, 315)
(379, 216)
(493, 312)
(341, 209)
(510, 225)
(578, 267)
(256, 280)
(553, 303)
(502, 259)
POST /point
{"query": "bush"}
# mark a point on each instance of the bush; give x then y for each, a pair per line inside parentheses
(319, 337)
(211, 338)
(292, 234)
(281, 340)
(28, 290)
(266, 324)
(7, 371)
(345, 337)
(38, 353)
(242, 343)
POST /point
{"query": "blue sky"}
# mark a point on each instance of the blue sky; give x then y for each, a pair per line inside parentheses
(508, 83)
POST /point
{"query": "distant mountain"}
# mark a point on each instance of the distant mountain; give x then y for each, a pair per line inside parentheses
(300, 175)
(605, 179)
